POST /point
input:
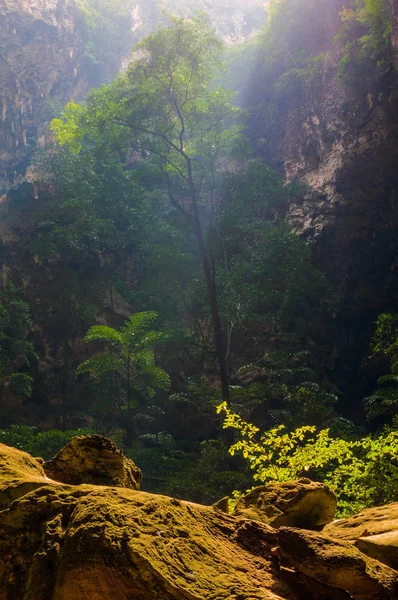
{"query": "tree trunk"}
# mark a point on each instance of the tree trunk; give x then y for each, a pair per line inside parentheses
(213, 303)
(129, 425)
(66, 382)
(210, 283)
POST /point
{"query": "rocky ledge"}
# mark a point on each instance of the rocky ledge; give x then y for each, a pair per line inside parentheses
(90, 541)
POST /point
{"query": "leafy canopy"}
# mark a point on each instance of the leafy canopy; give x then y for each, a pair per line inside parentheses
(16, 351)
(164, 107)
(128, 353)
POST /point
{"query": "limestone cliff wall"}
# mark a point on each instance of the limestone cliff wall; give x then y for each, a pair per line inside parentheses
(340, 138)
(40, 65)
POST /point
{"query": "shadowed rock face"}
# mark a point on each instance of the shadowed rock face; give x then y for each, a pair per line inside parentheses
(93, 459)
(341, 140)
(337, 564)
(41, 62)
(87, 542)
(383, 547)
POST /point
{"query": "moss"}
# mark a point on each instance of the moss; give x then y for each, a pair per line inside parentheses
(19, 474)
(62, 542)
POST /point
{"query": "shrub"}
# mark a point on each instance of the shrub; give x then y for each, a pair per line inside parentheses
(45, 443)
(362, 472)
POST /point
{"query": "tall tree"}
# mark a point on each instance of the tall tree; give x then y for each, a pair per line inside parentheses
(16, 352)
(165, 108)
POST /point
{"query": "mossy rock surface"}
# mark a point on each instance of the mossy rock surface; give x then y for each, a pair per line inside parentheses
(87, 542)
(93, 459)
(369, 522)
(301, 503)
(337, 564)
(19, 473)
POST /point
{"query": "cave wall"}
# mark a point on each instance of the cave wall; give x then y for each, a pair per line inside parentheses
(344, 145)
(340, 138)
(41, 65)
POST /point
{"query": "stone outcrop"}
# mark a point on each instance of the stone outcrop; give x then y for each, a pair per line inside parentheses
(88, 542)
(374, 531)
(394, 33)
(93, 459)
(382, 547)
(341, 139)
(337, 564)
(19, 474)
(233, 21)
(371, 521)
(302, 503)
(91, 542)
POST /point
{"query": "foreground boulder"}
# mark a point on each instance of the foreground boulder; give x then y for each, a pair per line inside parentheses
(19, 473)
(86, 542)
(337, 564)
(370, 521)
(383, 547)
(93, 459)
(94, 542)
(374, 532)
(302, 503)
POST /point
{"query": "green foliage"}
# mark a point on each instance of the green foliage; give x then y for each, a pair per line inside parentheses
(196, 471)
(129, 356)
(152, 181)
(294, 34)
(374, 15)
(365, 36)
(95, 217)
(285, 383)
(107, 35)
(45, 443)
(166, 110)
(16, 351)
(133, 358)
(269, 290)
(362, 473)
(8, 184)
(385, 339)
(166, 100)
(276, 281)
(384, 401)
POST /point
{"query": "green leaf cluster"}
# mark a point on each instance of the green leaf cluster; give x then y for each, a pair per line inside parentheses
(361, 472)
(365, 37)
(106, 27)
(45, 444)
(384, 400)
(128, 355)
(16, 351)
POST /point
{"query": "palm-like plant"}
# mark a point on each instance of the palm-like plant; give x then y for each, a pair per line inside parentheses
(128, 353)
